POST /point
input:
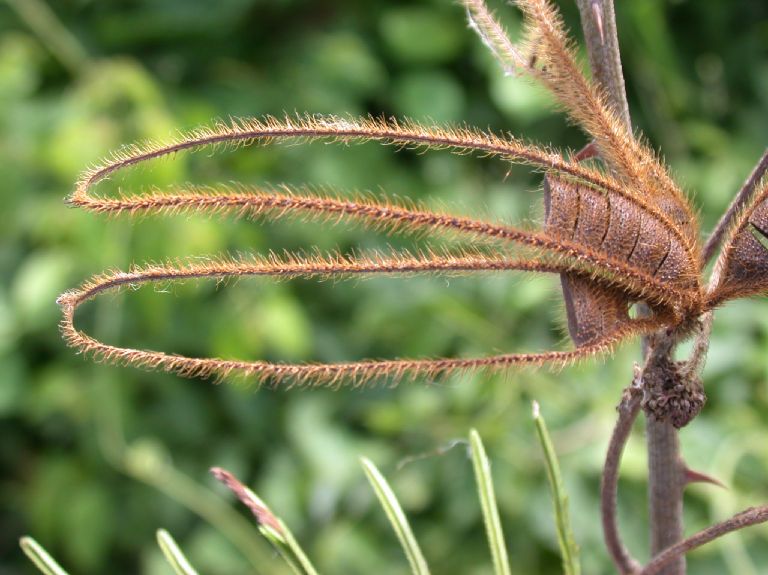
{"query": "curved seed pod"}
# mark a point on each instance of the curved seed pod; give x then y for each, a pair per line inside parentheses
(250, 131)
(743, 265)
(615, 238)
(354, 373)
(614, 227)
(547, 53)
(593, 311)
(601, 282)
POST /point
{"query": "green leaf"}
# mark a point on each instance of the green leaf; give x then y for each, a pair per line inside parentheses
(270, 526)
(488, 502)
(396, 518)
(40, 557)
(297, 554)
(568, 547)
(173, 554)
(282, 538)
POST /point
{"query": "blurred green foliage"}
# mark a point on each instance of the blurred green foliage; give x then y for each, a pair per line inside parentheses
(95, 458)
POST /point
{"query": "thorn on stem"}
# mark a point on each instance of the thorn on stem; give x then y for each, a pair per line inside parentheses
(587, 153)
(596, 9)
(692, 476)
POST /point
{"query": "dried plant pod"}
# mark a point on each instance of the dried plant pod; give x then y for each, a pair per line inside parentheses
(331, 266)
(461, 140)
(547, 54)
(612, 226)
(592, 311)
(616, 237)
(616, 233)
(743, 263)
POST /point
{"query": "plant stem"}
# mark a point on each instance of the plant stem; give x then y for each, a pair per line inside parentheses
(628, 409)
(61, 43)
(665, 468)
(598, 21)
(751, 516)
(665, 491)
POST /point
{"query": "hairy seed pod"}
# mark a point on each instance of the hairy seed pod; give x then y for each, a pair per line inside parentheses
(745, 269)
(612, 226)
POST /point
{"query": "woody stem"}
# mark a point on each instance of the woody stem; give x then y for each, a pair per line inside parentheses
(665, 465)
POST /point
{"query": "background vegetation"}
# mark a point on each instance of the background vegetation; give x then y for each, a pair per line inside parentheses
(95, 458)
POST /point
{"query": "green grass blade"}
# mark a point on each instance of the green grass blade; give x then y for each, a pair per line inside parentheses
(396, 517)
(568, 547)
(40, 557)
(270, 526)
(173, 554)
(297, 552)
(490, 508)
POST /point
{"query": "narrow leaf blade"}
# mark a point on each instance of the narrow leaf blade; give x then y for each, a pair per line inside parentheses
(40, 557)
(396, 517)
(298, 553)
(173, 554)
(490, 508)
(568, 547)
(271, 526)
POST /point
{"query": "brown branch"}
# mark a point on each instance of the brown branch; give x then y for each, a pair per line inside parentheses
(748, 517)
(695, 362)
(628, 409)
(666, 474)
(318, 204)
(737, 205)
(598, 20)
(495, 37)
(666, 469)
(356, 374)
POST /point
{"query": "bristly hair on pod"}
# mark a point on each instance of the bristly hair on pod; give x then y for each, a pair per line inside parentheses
(741, 270)
(616, 237)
